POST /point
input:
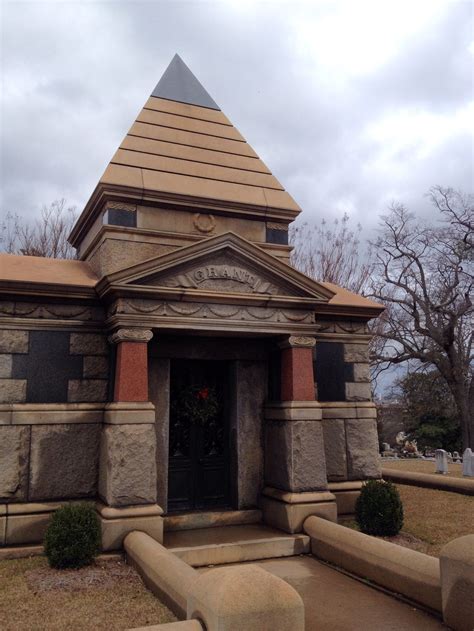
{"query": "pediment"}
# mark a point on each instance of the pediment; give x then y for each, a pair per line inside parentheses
(226, 264)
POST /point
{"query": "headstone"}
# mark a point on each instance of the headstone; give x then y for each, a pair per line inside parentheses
(468, 463)
(441, 461)
(456, 456)
(386, 447)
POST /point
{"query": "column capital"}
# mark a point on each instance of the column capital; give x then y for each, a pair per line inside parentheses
(130, 335)
(298, 341)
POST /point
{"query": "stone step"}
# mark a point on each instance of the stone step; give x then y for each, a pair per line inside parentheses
(211, 519)
(234, 544)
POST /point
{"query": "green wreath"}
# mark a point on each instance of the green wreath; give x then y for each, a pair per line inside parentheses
(196, 405)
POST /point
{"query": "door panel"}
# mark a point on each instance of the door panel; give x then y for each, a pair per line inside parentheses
(199, 455)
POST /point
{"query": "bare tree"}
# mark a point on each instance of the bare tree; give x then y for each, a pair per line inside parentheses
(46, 236)
(332, 253)
(425, 277)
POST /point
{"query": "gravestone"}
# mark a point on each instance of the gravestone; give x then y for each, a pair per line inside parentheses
(441, 461)
(456, 456)
(468, 463)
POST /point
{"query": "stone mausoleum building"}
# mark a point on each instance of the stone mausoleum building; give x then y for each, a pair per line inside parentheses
(181, 366)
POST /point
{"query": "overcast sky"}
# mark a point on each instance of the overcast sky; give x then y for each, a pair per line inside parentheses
(352, 104)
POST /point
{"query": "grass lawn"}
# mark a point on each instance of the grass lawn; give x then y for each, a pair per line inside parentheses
(109, 595)
(422, 466)
(436, 517)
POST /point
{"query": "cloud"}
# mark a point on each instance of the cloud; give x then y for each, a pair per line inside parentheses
(351, 104)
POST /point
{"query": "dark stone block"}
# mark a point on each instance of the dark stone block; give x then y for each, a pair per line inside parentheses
(330, 371)
(47, 367)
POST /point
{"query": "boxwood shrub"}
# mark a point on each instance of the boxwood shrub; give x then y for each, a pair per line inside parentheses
(379, 509)
(73, 537)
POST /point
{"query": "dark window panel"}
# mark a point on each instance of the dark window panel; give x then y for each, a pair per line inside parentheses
(329, 371)
(121, 217)
(280, 237)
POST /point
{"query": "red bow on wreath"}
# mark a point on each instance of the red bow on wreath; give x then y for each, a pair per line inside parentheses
(203, 393)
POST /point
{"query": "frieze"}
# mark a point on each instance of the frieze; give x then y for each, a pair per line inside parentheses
(50, 311)
(342, 327)
(210, 311)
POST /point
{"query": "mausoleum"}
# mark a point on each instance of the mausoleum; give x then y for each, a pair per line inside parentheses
(181, 366)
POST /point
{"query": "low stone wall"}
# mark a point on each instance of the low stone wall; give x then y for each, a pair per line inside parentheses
(430, 481)
(238, 597)
(401, 570)
(164, 573)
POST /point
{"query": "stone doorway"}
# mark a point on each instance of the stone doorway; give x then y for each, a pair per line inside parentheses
(199, 435)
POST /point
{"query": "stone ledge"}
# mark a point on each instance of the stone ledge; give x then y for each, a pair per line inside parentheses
(50, 413)
(293, 411)
(126, 413)
(348, 409)
(298, 498)
(354, 485)
(463, 486)
(128, 511)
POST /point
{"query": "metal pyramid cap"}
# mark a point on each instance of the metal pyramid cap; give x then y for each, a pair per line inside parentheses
(179, 84)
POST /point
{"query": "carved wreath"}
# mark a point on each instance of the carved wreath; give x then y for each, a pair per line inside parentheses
(204, 223)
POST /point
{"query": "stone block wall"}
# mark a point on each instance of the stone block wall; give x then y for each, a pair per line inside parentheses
(47, 366)
(47, 462)
(343, 386)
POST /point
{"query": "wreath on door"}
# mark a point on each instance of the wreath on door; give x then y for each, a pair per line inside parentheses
(196, 405)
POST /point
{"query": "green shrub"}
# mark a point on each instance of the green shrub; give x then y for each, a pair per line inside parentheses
(379, 509)
(73, 536)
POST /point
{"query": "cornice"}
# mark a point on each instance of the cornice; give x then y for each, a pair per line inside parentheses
(46, 290)
(107, 192)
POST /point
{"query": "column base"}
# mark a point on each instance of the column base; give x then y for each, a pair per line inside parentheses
(116, 523)
(346, 494)
(287, 511)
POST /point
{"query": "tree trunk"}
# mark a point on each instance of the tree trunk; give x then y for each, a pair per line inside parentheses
(462, 394)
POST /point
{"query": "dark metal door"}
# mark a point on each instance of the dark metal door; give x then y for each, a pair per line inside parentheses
(199, 456)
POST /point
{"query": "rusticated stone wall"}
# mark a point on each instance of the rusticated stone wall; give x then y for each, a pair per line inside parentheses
(47, 461)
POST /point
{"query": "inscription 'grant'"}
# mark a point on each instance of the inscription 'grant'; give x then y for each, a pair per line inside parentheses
(225, 272)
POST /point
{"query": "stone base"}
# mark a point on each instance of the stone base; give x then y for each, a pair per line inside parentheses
(26, 523)
(346, 494)
(288, 511)
(116, 523)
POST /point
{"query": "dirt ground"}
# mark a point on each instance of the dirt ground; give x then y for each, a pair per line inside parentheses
(108, 595)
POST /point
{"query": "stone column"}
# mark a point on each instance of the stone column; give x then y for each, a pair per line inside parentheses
(295, 464)
(297, 378)
(127, 472)
(131, 366)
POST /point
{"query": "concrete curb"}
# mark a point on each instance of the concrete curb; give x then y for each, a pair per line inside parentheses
(430, 481)
(400, 570)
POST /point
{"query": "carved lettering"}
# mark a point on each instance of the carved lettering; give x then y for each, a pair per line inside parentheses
(225, 272)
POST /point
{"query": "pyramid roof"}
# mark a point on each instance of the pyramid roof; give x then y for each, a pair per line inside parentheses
(183, 148)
